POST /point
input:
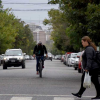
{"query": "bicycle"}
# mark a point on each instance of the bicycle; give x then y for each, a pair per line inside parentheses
(40, 67)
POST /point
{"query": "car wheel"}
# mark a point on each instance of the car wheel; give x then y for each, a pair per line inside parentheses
(23, 65)
(4, 66)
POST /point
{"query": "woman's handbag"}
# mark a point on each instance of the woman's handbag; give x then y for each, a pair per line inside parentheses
(87, 80)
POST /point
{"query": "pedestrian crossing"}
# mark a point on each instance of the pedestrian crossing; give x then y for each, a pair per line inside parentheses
(40, 97)
(31, 98)
(63, 98)
(21, 98)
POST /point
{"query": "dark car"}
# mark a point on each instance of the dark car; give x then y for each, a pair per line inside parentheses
(14, 57)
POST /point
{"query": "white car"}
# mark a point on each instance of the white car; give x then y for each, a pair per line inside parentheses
(27, 57)
(77, 60)
(67, 59)
(71, 59)
(58, 57)
(13, 57)
(49, 56)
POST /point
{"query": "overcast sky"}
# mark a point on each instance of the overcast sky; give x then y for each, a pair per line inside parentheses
(29, 16)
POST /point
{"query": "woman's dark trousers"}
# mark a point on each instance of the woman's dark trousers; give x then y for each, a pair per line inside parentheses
(94, 79)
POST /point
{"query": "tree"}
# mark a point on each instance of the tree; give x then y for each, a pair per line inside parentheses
(7, 32)
(93, 19)
(83, 17)
(24, 39)
(58, 35)
(14, 33)
(30, 42)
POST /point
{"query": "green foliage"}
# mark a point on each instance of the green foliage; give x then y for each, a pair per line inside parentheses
(7, 32)
(14, 34)
(55, 51)
(29, 44)
(93, 19)
(24, 39)
(57, 20)
(46, 21)
(83, 17)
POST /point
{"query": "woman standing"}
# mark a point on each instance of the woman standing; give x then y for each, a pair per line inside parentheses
(89, 65)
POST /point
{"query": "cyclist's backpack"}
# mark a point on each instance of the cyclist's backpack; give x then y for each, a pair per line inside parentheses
(97, 58)
(38, 52)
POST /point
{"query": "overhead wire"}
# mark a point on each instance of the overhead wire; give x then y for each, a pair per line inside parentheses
(30, 9)
(30, 4)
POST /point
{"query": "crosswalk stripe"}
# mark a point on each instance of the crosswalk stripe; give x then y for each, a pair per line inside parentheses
(41, 95)
(63, 98)
(21, 98)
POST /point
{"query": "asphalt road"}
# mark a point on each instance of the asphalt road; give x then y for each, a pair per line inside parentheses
(58, 82)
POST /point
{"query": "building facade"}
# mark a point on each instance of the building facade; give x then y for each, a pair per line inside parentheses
(39, 33)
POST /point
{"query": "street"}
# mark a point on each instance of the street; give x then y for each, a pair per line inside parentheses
(58, 82)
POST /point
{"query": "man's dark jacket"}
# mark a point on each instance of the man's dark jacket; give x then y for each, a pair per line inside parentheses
(88, 59)
(39, 50)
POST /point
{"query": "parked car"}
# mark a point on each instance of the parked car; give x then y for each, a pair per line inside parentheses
(31, 57)
(58, 57)
(71, 59)
(13, 57)
(62, 58)
(27, 57)
(67, 59)
(49, 56)
(80, 69)
(1, 58)
(53, 57)
(66, 54)
(77, 60)
(0, 61)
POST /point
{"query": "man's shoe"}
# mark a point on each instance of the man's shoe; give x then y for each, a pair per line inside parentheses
(76, 95)
(96, 98)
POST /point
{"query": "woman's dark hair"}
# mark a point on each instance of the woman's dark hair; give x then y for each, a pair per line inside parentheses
(87, 38)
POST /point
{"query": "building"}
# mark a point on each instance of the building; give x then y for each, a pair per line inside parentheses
(48, 35)
(33, 27)
(39, 33)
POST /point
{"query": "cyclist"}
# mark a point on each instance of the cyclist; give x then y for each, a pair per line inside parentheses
(39, 51)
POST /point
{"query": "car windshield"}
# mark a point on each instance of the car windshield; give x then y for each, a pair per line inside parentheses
(13, 53)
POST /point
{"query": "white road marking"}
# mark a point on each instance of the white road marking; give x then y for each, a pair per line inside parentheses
(21, 98)
(63, 98)
(31, 95)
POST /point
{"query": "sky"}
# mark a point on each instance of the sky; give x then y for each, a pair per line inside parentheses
(32, 16)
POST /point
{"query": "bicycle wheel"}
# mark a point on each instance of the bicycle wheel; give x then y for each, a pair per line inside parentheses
(40, 69)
